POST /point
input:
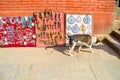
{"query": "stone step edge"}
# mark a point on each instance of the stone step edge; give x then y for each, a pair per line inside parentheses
(112, 44)
(116, 34)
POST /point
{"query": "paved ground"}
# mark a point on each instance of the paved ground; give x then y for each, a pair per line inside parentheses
(55, 64)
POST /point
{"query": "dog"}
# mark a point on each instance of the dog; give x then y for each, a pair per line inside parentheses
(80, 40)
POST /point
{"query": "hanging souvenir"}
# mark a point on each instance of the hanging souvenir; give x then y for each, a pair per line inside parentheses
(71, 19)
(86, 19)
(78, 19)
(19, 20)
(30, 21)
(23, 22)
(75, 28)
(12, 20)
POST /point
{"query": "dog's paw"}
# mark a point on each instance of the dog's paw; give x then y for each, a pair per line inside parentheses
(71, 54)
(79, 51)
(92, 51)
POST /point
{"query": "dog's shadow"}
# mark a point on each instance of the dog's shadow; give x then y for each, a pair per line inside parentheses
(62, 49)
(65, 49)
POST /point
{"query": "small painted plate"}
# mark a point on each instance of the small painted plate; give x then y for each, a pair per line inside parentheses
(71, 20)
(75, 28)
(78, 19)
(86, 19)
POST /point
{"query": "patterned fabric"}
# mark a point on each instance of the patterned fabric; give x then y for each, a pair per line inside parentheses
(17, 31)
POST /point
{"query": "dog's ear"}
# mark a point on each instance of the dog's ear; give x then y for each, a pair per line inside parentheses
(66, 37)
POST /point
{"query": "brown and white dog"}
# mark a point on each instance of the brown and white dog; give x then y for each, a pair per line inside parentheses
(82, 39)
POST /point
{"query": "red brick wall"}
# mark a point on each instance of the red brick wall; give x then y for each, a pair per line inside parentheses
(102, 10)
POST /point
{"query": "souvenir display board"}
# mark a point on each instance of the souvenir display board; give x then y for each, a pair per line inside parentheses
(49, 28)
(17, 32)
(78, 24)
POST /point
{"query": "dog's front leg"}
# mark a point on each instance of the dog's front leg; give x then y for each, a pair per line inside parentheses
(71, 49)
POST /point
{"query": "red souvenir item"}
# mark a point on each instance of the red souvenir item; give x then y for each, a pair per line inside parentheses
(17, 31)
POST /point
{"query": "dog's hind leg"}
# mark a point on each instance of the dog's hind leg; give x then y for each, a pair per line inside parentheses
(91, 48)
(79, 48)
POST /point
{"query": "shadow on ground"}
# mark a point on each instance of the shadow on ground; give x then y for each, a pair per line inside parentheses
(65, 49)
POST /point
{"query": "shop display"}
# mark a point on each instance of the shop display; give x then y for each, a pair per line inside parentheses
(49, 26)
(17, 31)
(78, 24)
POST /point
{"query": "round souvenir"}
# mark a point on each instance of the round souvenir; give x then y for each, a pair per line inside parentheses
(68, 27)
(3, 20)
(12, 20)
(78, 19)
(19, 20)
(75, 28)
(86, 19)
(71, 20)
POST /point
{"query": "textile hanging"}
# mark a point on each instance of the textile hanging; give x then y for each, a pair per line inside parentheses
(17, 31)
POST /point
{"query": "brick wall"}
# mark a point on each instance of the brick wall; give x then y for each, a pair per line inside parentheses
(102, 10)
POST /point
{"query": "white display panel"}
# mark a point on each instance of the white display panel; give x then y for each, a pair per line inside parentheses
(78, 24)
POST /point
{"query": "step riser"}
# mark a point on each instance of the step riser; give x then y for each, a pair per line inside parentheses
(116, 35)
(110, 44)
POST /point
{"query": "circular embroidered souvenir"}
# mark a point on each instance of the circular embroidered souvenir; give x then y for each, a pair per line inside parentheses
(71, 20)
(78, 19)
(75, 28)
(86, 19)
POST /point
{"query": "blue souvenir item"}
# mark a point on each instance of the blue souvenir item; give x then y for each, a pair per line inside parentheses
(75, 28)
(30, 21)
(71, 20)
(23, 22)
(78, 19)
(86, 19)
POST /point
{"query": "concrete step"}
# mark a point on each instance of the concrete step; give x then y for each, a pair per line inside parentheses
(116, 34)
(112, 43)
